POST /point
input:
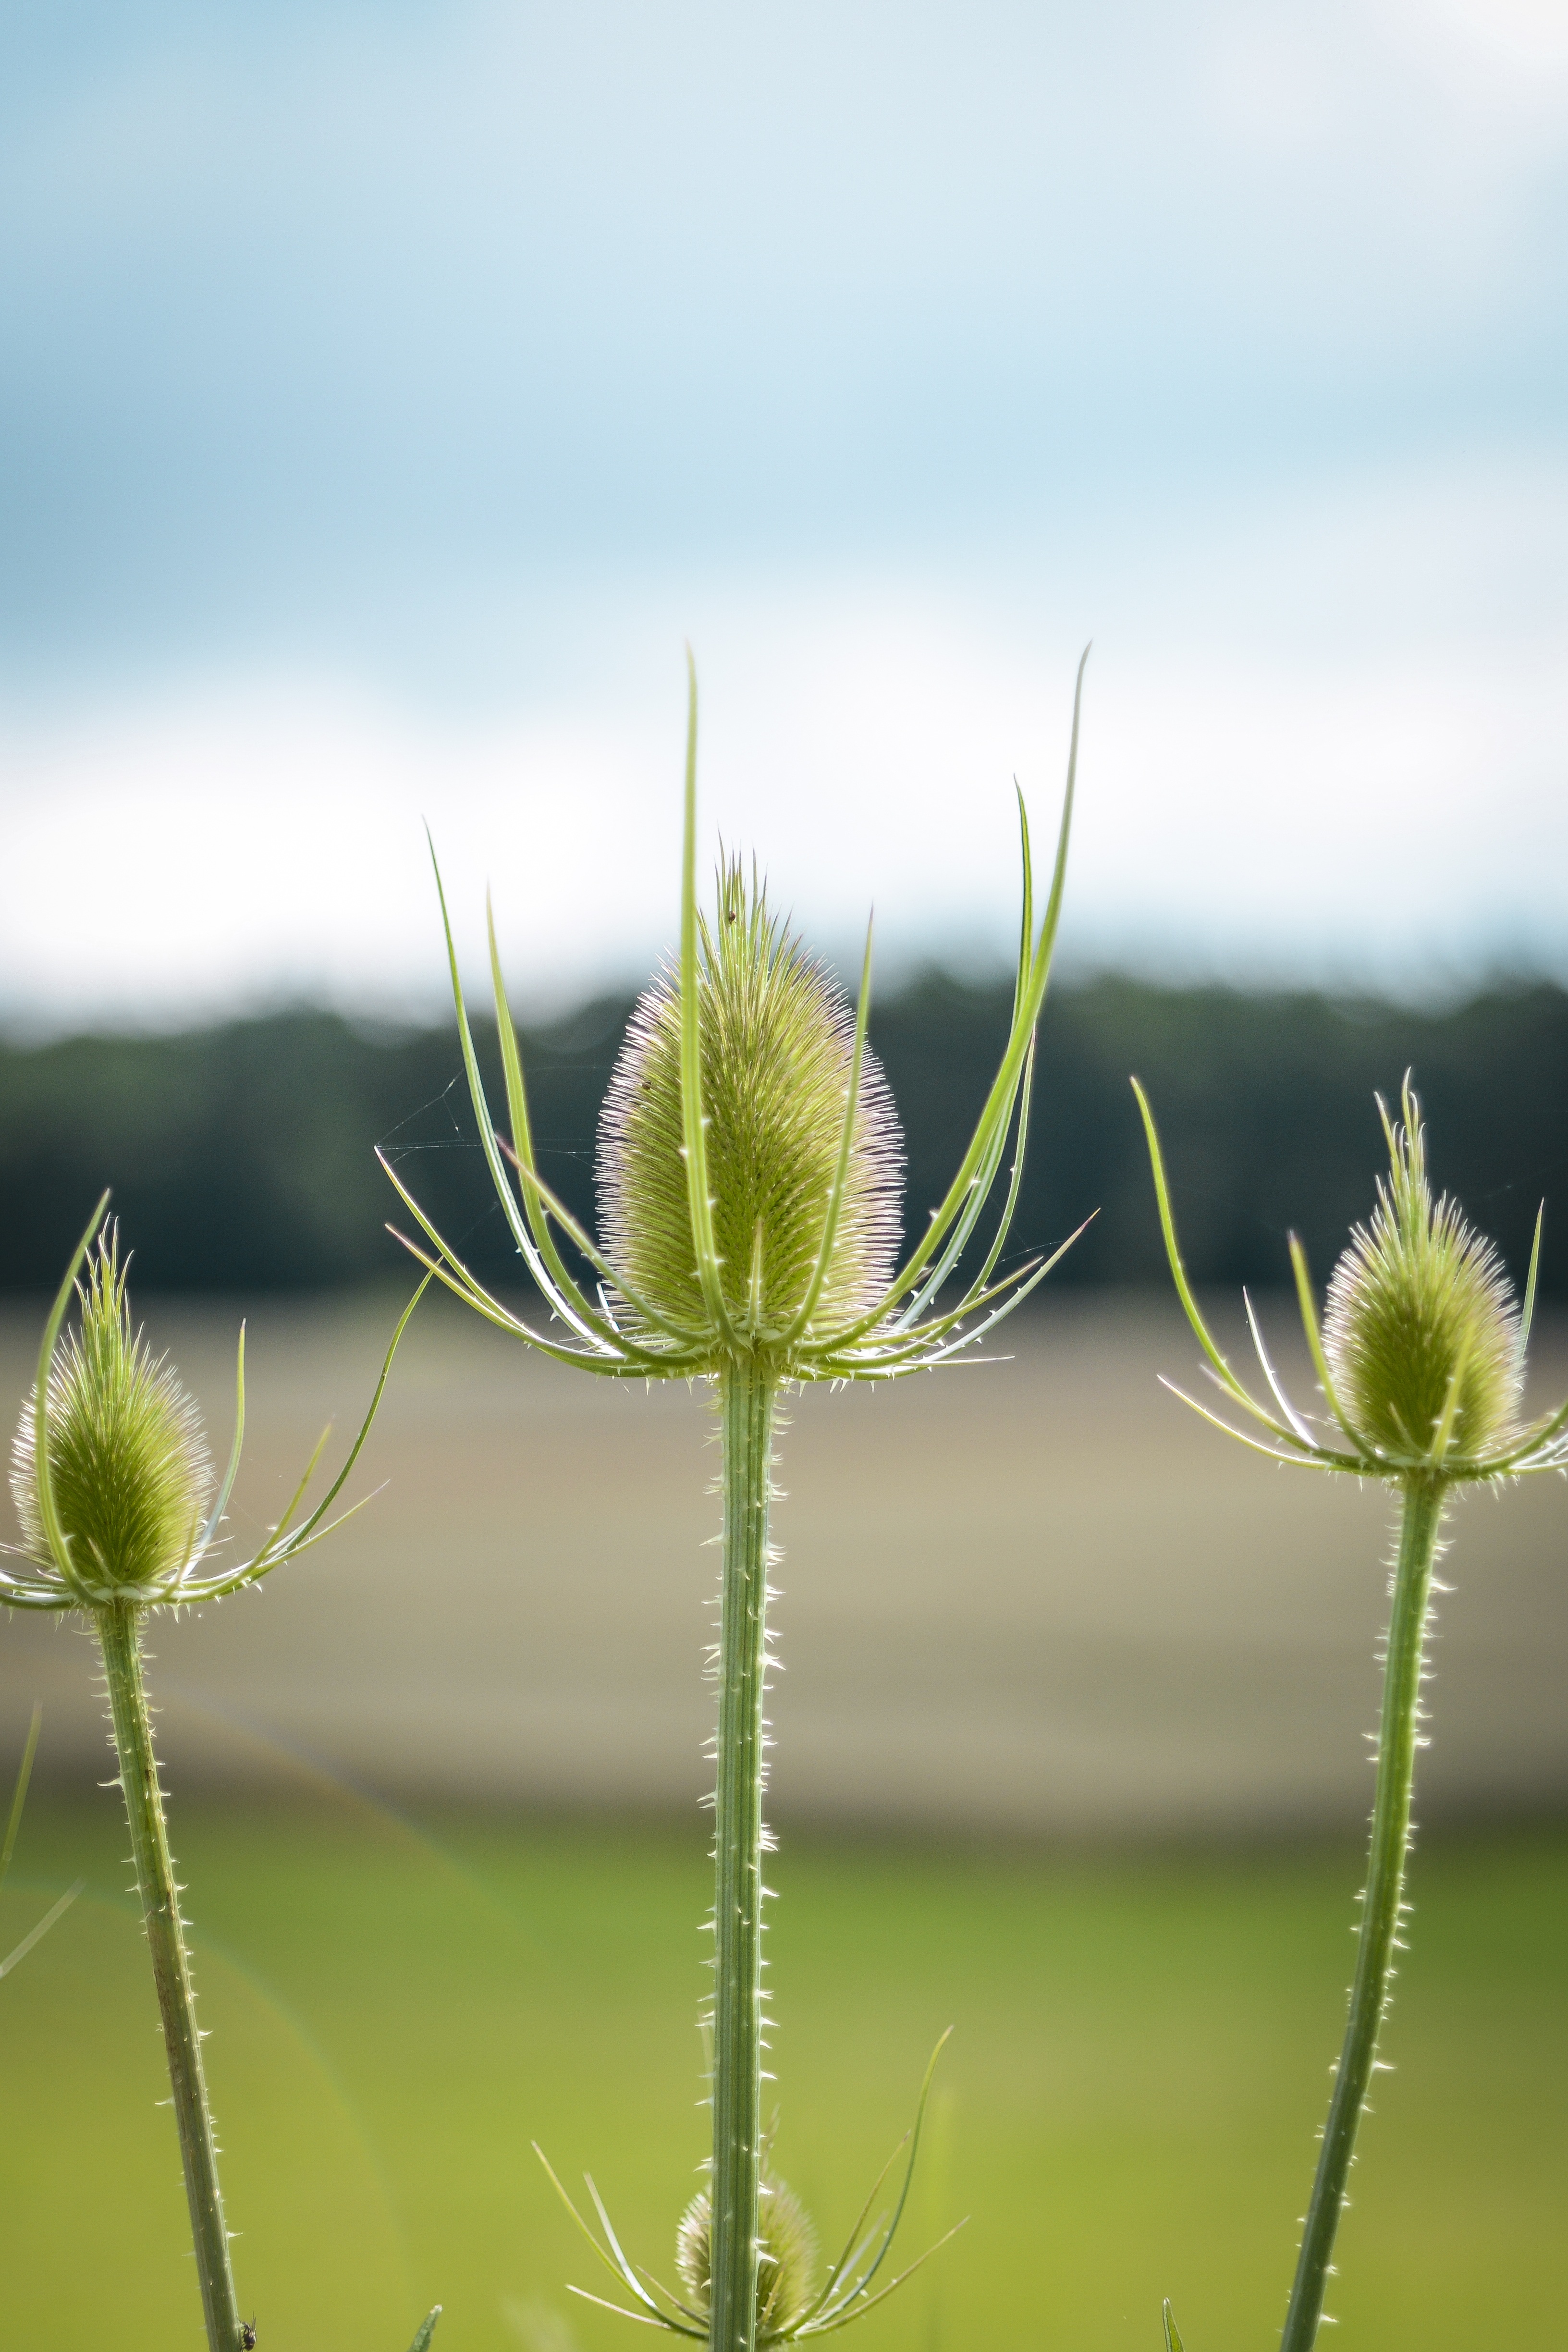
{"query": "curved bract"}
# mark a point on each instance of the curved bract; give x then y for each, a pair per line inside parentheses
(794, 2303)
(109, 1468)
(1421, 1354)
(748, 1162)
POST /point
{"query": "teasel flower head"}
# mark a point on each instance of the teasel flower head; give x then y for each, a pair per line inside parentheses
(1420, 1356)
(777, 1054)
(110, 1469)
(1419, 1310)
(749, 1164)
(797, 2298)
(788, 2261)
(127, 1458)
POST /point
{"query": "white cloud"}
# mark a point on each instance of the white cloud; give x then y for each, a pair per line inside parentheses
(1326, 740)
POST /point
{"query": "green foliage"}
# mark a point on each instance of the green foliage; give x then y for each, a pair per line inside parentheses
(242, 1160)
(777, 1049)
(1138, 2033)
(1420, 1318)
(128, 1462)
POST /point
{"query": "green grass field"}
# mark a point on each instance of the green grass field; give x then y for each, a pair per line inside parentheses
(1127, 2107)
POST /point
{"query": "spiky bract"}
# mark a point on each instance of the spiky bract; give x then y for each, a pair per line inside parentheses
(128, 1461)
(1421, 1355)
(738, 1227)
(788, 2259)
(777, 1048)
(1420, 1317)
(113, 1515)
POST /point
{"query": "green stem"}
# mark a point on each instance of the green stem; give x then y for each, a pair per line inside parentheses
(1382, 1904)
(120, 1635)
(747, 1405)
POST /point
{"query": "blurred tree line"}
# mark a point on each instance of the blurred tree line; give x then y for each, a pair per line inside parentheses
(241, 1157)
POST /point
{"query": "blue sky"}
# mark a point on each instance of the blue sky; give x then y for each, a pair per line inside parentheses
(387, 392)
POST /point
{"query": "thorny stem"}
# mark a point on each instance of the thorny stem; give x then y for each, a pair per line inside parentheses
(747, 1406)
(119, 1636)
(1382, 1904)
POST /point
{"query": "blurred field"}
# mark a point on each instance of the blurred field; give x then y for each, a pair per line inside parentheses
(1036, 1595)
(1127, 2107)
(1032, 1598)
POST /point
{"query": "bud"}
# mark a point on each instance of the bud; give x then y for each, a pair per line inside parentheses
(777, 1045)
(1418, 1301)
(129, 1472)
(787, 2258)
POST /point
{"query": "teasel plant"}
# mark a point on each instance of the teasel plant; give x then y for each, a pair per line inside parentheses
(113, 1488)
(748, 1178)
(1420, 1363)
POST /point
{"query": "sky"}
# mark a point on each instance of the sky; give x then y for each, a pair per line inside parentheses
(389, 393)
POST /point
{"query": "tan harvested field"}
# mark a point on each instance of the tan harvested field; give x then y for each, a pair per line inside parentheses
(1033, 1596)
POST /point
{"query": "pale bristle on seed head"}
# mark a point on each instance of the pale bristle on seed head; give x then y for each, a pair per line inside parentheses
(128, 1464)
(777, 1041)
(1417, 1296)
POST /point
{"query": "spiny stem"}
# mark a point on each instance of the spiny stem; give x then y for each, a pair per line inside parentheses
(1381, 1905)
(747, 1407)
(119, 1636)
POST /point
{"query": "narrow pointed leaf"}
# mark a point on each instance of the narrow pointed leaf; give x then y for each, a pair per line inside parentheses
(846, 1147)
(564, 1296)
(644, 2319)
(1315, 1343)
(1319, 1457)
(999, 1103)
(584, 1241)
(283, 1546)
(693, 1126)
(38, 1934)
(1527, 1314)
(23, 1774)
(1173, 1256)
(215, 1518)
(54, 1533)
(855, 2308)
(1446, 1418)
(626, 2272)
(1275, 1386)
(898, 2213)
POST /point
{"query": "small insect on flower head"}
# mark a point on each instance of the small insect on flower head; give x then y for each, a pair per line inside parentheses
(777, 1045)
(1422, 1350)
(128, 1464)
